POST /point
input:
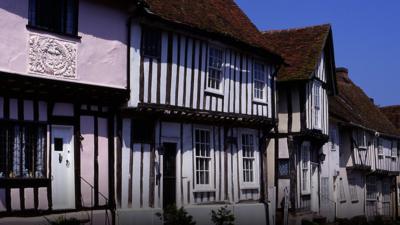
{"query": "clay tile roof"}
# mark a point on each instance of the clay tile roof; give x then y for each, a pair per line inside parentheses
(352, 105)
(301, 48)
(222, 17)
(393, 114)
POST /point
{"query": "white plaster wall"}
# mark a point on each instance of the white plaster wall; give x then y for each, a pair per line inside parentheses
(101, 51)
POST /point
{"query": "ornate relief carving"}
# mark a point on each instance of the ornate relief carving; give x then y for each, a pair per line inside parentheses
(49, 56)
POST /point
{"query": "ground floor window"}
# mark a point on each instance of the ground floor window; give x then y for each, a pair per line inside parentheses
(248, 157)
(203, 156)
(305, 166)
(22, 150)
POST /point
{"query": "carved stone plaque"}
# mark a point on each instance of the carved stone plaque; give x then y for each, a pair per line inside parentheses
(52, 57)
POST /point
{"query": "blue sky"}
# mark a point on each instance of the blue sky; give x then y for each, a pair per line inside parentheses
(366, 36)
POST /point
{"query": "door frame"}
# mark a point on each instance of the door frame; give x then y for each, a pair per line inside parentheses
(178, 171)
(72, 143)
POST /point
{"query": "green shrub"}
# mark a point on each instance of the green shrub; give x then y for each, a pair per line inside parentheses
(307, 222)
(223, 216)
(173, 216)
(64, 221)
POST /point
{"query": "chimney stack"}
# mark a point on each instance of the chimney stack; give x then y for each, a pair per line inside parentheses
(342, 71)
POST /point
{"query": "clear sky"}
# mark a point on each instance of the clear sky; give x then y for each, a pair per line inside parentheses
(366, 36)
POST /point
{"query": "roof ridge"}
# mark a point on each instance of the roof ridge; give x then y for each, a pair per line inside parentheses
(296, 28)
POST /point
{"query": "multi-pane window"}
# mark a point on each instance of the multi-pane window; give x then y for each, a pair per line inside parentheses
(353, 189)
(371, 188)
(203, 156)
(58, 16)
(214, 68)
(305, 169)
(151, 42)
(317, 104)
(342, 194)
(22, 151)
(248, 157)
(361, 139)
(259, 81)
(380, 147)
(394, 149)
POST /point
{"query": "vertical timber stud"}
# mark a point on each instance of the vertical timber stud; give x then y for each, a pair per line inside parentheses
(77, 156)
(96, 161)
(111, 187)
(7, 116)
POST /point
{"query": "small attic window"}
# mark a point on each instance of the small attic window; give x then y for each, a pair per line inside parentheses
(151, 42)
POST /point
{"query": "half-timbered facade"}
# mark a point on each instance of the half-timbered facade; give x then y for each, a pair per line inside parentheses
(393, 114)
(304, 85)
(201, 107)
(369, 150)
(59, 91)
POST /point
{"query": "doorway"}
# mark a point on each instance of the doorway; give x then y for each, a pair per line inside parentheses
(62, 167)
(169, 177)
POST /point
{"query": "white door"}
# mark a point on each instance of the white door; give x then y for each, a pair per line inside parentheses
(314, 188)
(62, 167)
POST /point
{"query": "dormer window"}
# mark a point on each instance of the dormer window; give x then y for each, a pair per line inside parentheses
(214, 69)
(260, 80)
(59, 16)
(151, 43)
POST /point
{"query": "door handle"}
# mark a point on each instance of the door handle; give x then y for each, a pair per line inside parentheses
(60, 158)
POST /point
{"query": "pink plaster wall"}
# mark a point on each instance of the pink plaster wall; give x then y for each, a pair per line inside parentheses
(101, 51)
(3, 200)
(29, 198)
(103, 159)
(87, 157)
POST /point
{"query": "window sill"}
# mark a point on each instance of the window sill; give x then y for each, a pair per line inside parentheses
(198, 190)
(32, 27)
(249, 186)
(24, 182)
(260, 101)
(214, 92)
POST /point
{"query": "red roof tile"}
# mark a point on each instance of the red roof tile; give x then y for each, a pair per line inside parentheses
(222, 17)
(352, 105)
(393, 114)
(301, 48)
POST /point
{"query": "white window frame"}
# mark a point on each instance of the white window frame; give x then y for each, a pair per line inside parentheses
(305, 167)
(317, 104)
(255, 184)
(264, 97)
(361, 136)
(220, 89)
(210, 186)
(380, 149)
(394, 149)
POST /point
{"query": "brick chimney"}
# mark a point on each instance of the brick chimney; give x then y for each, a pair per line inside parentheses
(342, 74)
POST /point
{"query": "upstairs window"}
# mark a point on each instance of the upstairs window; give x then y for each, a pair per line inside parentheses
(151, 43)
(214, 69)
(260, 80)
(333, 139)
(317, 105)
(59, 16)
(361, 139)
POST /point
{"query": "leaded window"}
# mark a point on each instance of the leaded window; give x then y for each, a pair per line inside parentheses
(151, 42)
(214, 68)
(23, 149)
(317, 104)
